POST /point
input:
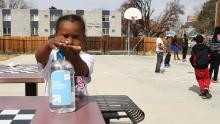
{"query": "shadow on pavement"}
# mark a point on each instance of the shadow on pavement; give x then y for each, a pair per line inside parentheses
(195, 89)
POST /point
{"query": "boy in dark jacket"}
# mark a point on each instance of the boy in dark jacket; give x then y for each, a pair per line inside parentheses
(200, 62)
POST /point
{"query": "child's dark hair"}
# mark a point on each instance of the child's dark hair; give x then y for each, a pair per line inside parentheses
(168, 37)
(199, 39)
(72, 18)
(159, 33)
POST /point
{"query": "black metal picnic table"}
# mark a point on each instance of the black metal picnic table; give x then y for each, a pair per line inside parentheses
(111, 105)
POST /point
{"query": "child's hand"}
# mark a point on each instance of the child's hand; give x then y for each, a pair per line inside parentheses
(56, 42)
(71, 48)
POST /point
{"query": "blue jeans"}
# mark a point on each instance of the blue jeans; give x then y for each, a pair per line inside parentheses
(167, 59)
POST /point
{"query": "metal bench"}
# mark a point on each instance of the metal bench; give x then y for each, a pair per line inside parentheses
(112, 105)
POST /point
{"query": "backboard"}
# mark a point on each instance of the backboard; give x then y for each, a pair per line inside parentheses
(132, 14)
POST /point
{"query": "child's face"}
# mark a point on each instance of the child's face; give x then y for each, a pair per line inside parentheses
(169, 40)
(71, 32)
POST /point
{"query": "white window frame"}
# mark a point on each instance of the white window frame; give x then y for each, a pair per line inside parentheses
(34, 17)
(8, 31)
(34, 31)
(105, 31)
(54, 17)
(105, 18)
(52, 31)
(6, 17)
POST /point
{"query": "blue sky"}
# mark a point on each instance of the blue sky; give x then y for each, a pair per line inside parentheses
(158, 5)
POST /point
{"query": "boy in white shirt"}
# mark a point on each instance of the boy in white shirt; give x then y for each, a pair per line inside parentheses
(159, 51)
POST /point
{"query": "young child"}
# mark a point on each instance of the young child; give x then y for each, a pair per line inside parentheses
(168, 49)
(159, 50)
(200, 62)
(70, 33)
(175, 49)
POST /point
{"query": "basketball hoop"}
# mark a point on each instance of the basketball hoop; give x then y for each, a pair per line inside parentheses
(132, 14)
(133, 19)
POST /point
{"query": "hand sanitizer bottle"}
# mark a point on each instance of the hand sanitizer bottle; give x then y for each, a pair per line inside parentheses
(61, 93)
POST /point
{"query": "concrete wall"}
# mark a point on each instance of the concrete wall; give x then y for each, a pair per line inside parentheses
(93, 20)
(20, 22)
(115, 24)
(44, 23)
(1, 23)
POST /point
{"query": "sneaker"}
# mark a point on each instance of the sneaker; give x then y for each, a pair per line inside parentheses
(162, 71)
(202, 95)
(207, 94)
(184, 60)
(157, 72)
(166, 66)
(214, 81)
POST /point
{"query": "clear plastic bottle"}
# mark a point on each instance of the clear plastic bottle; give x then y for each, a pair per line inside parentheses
(61, 83)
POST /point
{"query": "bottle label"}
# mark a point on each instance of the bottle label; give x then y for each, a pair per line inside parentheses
(61, 87)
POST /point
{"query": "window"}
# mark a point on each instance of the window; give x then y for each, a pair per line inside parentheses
(34, 17)
(34, 31)
(52, 31)
(6, 31)
(105, 31)
(105, 18)
(6, 17)
(54, 17)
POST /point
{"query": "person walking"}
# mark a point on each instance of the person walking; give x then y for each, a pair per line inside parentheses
(159, 51)
(215, 57)
(184, 47)
(168, 49)
(200, 62)
(175, 49)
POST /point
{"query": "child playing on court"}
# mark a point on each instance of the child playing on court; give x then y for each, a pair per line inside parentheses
(168, 49)
(175, 49)
(70, 33)
(200, 62)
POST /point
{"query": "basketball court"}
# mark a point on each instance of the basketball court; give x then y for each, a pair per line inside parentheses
(168, 98)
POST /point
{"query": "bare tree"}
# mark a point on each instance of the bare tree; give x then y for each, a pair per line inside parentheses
(168, 18)
(2, 4)
(149, 26)
(15, 4)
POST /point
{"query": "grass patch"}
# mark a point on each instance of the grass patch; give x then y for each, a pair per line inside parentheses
(7, 56)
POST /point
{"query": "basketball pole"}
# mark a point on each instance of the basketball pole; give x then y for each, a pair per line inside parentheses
(131, 14)
(129, 36)
(217, 16)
